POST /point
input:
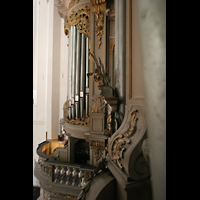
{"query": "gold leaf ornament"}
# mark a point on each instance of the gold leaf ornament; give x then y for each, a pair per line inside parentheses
(81, 19)
(98, 105)
(99, 7)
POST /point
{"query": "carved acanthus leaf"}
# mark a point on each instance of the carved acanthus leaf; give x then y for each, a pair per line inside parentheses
(97, 146)
(72, 3)
(99, 7)
(117, 148)
(81, 19)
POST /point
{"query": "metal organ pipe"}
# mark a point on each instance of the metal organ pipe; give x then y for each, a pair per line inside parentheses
(82, 75)
(78, 82)
(73, 69)
(77, 79)
(87, 78)
(70, 69)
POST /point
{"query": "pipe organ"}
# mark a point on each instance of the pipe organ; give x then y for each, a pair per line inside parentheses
(105, 129)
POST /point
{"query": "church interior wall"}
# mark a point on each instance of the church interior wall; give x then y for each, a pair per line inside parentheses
(50, 71)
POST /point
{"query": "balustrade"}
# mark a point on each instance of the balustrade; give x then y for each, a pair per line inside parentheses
(66, 174)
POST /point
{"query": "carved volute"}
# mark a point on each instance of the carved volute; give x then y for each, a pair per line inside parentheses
(125, 145)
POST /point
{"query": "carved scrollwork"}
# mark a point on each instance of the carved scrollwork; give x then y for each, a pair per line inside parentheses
(117, 146)
(72, 3)
(98, 148)
(81, 19)
(81, 122)
(99, 7)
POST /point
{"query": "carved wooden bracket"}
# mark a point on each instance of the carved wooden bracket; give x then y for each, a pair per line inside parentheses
(117, 148)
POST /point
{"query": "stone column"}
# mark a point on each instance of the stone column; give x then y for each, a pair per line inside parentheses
(152, 26)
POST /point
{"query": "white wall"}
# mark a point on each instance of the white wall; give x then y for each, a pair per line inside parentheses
(50, 66)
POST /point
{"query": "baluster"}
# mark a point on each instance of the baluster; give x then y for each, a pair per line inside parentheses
(42, 165)
(62, 174)
(56, 174)
(80, 176)
(74, 175)
(86, 175)
(45, 169)
(68, 175)
(50, 171)
(40, 162)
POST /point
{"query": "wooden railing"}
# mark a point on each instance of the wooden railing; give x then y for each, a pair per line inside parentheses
(61, 173)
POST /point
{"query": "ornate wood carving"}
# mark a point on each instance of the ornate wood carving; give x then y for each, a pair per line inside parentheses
(98, 105)
(99, 7)
(65, 196)
(99, 75)
(77, 121)
(66, 26)
(81, 19)
(117, 146)
(73, 3)
(97, 146)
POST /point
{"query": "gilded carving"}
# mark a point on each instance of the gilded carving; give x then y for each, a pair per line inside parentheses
(81, 19)
(108, 130)
(83, 122)
(117, 145)
(66, 26)
(65, 196)
(98, 148)
(99, 7)
(65, 109)
(99, 74)
(73, 3)
(98, 105)
(66, 104)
